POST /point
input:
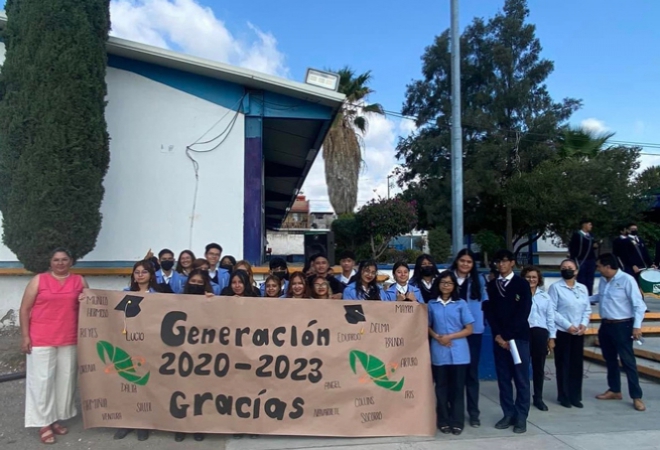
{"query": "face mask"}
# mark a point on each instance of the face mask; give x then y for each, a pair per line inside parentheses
(633, 233)
(567, 274)
(196, 289)
(166, 265)
(427, 271)
(281, 274)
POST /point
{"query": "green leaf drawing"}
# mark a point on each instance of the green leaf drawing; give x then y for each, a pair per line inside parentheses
(375, 369)
(122, 362)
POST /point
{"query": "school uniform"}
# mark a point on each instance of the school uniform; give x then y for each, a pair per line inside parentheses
(151, 290)
(429, 291)
(449, 364)
(396, 289)
(474, 342)
(542, 327)
(572, 308)
(179, 283)
(169, 285)
(220, 277)
(633, 252)
(581, 250)
(507, 310)
(345, 281)
(352, 292)
(262, 288)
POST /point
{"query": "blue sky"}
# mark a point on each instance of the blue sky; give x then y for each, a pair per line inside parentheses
(605, 53)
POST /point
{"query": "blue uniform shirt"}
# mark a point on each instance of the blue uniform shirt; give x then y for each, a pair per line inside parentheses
(449, 318)
(351, 293)
(475, 305)
(128, 289)
(262, 288)
(176, 283)
(571, 305)
(391, 292)
(619, 298)
(543, 313)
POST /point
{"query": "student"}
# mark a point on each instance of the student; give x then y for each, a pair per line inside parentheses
(401, 290)
(272, 287)
(247, 267)
(228, 262)
(542, 331)
(201, 263)
(321, 267)
(347, 263)
(143, 278)
(168, 279)
(364, 285)
(582, 249)
(321, 288)
(424, 276)
(297, 286)
(239, 285)
(450, 322)
(218, 275)
(279, 268)
(635, 255)
(472, 289)
(184, 264)
(570, 301)
(507, 312)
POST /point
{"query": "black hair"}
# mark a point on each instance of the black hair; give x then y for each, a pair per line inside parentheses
(447, 274)
(347, 254)
(60, 250)
(179, 268)
(474, 278)
(165, 251)
(205, 276)
(372, 291)
(608, 259)
(400, 264)
(231, 259)
(277, 262)
(417, 276)
(584, 220)
(577, 267)
(504, 253)
(248, 289)
(317, 256)
(631, 224)
(149, 267)
(212, 246)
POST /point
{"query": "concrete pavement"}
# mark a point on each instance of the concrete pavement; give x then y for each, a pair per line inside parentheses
(600, 425)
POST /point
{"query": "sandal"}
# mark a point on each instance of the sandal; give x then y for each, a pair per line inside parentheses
(46, 435)
(59, 429)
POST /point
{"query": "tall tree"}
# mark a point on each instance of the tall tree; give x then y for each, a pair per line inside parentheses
(54, 148)
(581, 143)
(342, 148)
(510, 120)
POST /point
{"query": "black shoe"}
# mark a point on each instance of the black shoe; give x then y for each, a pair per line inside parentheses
(445, 429)
(179, 437)
(456, 431)
(520, 428)
(504, 423)
(577, 404)
(540, 405)
(565, 403)
(122, 433)
(143, 435)
(475, 423)
(199, 437)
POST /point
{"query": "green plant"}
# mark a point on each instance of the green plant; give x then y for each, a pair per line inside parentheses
(440, 244)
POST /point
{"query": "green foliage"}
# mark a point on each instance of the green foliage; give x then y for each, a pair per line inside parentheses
(440, 244)
(392, 255)
(384, 219)
(489, 242)
(53, 139)
(580, 143)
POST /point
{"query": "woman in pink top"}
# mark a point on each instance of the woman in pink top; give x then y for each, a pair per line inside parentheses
(49, 325)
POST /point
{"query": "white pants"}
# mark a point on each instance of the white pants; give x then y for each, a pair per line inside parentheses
(49, 385)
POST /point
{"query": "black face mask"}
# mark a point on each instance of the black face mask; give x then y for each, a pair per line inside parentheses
(567, 274)
(166, 265)
(228, 267)
(196, 289)
(633, 233)
(281, 274)
(427, 271)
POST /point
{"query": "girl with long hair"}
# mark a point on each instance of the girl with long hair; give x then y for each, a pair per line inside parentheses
(364, 284)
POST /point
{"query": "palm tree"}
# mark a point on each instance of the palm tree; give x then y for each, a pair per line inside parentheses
(342, 148)
(581, 143)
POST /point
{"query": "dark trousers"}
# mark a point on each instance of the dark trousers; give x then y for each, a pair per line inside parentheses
(449, 388)
(586, 274)
(538, 348)
(569, 364)
(472, 377)
(615, 340)
(508, 372)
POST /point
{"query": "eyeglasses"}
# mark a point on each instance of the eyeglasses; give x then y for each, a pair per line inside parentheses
(446, 283)
(320, 285)
(371, 273)
(137, 273)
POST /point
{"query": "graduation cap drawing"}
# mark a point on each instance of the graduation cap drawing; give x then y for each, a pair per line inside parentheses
(130, 304)
(354, 314)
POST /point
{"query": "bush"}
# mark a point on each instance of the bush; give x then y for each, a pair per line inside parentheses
(489, 243)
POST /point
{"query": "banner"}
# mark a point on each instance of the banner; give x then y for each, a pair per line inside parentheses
(259, 366)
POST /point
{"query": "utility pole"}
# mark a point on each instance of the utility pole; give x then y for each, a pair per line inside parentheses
(456, 134)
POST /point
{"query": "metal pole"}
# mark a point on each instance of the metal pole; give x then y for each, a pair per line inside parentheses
(456, 134)
(388, 186)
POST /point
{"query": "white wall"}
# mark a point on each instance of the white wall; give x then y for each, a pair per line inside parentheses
(283, 243)
(150, 184)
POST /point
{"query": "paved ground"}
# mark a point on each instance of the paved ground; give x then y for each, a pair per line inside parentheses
(599, 426)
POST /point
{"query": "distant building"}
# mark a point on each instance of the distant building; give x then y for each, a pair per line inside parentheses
(298, 216)
(322, 220)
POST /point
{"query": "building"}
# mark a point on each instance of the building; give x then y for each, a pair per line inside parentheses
(322, 220)
(263, 133)
(298, 216)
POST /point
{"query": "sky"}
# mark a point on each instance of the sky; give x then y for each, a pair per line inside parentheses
(605, 53)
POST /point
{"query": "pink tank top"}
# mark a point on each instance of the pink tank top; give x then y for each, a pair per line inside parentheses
(54, 318)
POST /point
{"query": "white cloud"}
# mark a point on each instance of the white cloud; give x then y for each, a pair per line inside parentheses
(594, 125)
(187, 26)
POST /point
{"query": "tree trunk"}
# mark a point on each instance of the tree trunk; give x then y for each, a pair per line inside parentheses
(509, 229)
